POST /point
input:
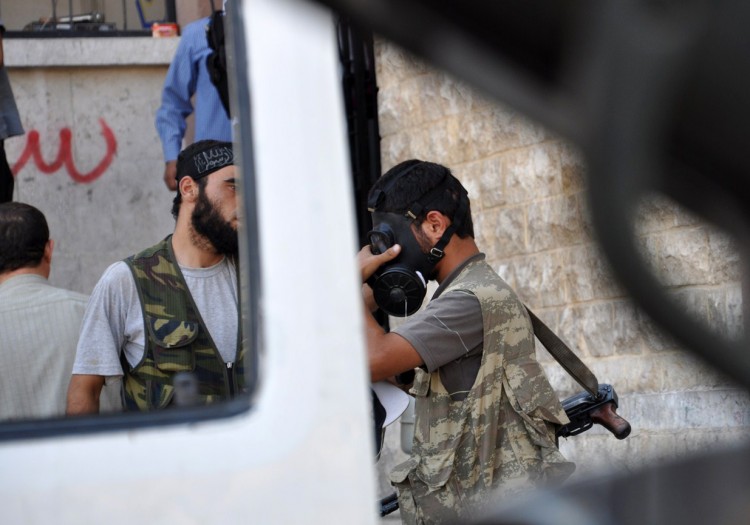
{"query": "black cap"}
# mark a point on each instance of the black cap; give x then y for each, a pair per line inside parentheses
(203, 158)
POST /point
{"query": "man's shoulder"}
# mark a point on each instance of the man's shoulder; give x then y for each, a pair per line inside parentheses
(72, 296)
(476, 273)
(31, 287)
(148, 252)
(482, 280)
(116, 275)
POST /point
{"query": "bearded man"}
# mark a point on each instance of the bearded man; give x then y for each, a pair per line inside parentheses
(172, 308)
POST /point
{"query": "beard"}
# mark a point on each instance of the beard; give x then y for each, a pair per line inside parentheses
(209, 224)
(425, 245)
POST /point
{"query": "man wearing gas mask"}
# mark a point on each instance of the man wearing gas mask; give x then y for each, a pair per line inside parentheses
(485, 411)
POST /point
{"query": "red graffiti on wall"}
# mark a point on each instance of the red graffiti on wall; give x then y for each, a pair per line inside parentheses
(65, 155)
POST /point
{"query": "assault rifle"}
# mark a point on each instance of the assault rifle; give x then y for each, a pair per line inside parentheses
(584, 409)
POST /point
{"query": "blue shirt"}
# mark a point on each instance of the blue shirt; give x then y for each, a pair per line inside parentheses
(188, 76)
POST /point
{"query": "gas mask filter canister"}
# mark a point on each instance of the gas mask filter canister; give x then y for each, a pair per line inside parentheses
(400, 286)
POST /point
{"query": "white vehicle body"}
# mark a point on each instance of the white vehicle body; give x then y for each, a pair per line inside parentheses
(302, 451)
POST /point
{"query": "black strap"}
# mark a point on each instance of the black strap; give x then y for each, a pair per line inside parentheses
(565, 356)
(438, 251)
(379, 195)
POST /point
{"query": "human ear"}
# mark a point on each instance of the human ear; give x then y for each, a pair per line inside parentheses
(188, 188)
(435, 223)
(48, 249)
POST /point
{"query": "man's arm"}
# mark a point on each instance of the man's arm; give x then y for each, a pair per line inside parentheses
(83, 394)
(388, 354)
(170, 174)
(102, 338)
(176, 104)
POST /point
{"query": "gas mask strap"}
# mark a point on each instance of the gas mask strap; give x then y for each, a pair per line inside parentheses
(438, 251)
(379, 195)
(415, 210)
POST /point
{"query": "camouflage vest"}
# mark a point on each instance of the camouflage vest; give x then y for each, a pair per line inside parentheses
(497, 441)
(176, 338)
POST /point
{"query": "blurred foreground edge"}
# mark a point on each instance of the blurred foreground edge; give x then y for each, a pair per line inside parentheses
(656, 96)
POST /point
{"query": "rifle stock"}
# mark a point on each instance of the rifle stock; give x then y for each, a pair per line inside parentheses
(584, 410)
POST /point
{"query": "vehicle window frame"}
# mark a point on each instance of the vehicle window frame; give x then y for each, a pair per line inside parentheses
(249, 276)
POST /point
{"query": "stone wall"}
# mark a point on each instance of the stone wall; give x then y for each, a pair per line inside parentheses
(527, 188)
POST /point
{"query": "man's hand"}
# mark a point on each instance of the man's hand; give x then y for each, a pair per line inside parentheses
(369, 262)
(170, 175)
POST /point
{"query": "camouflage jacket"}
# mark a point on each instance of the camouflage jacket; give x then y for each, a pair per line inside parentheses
(176, 338)
(497, 441)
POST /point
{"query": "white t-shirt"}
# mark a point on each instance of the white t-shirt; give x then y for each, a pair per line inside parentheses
(113, 321)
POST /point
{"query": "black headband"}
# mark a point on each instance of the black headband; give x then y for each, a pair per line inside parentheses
(207, 160)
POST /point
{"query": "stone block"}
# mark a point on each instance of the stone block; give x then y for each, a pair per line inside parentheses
(395, 148)
(572, 168)
(458, 139)
(654, 337)
(399, 107)
(470, 174)
(627, 338)
(627, 373)
(538, 279)
(597, 331)
(440, 95)
(554, 222)
(720, 314)
(514, 130)
(587, 275)
(506, 270)
(530, 174)
(724, 258)
(492, 184)
(563, 383)
(679, 257)
(735, 321)
(657, 212)
(504, 232)
(393, 64)
(717, 309)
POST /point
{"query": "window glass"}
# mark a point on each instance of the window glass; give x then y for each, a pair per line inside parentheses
(93, 162)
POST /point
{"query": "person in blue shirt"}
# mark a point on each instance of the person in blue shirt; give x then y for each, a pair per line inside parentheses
(10, 126)
(188, 76)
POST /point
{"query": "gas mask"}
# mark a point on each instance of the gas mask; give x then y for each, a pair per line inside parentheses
(400, 285)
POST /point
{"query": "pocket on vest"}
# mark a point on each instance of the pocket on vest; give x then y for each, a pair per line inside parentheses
(172, 339)
(532, 392)
(434, 501)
